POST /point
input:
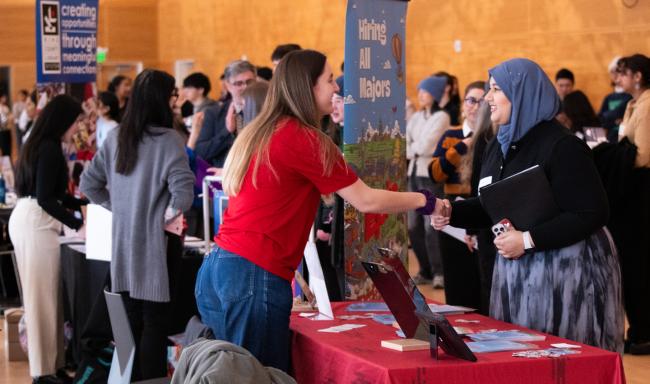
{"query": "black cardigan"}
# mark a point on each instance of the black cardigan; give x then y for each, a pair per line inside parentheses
(569, 166)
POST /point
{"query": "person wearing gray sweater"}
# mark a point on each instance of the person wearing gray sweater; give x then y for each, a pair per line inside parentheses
(141, 173)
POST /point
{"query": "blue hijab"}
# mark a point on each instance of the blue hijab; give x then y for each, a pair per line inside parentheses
(533, 97)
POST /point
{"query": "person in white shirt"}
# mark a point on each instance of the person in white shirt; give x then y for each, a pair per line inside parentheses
(422, 134)
(5, 111)
(26, 119)
(108, 112)
(19, 105)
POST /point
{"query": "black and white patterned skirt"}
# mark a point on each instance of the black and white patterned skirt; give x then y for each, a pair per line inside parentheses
(573, 292)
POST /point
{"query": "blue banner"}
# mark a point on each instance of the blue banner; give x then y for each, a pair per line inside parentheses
(66, 41)
(375, 127)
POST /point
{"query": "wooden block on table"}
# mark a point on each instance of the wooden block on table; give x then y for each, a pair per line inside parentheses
(405, 345)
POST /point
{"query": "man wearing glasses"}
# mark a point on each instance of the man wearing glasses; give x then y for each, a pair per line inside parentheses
(221, 123)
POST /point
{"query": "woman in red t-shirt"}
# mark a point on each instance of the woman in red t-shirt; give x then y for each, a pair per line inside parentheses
(275, 173)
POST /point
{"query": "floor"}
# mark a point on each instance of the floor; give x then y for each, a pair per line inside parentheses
(637, 368)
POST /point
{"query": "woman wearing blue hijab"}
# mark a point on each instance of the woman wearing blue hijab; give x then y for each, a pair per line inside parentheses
(561, 276)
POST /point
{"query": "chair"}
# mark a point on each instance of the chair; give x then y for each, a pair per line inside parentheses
(211, 186)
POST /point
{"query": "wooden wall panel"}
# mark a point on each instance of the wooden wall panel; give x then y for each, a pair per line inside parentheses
(130, 30)
(128, 27)
(215, 32)
(17, 49)
(582, 35)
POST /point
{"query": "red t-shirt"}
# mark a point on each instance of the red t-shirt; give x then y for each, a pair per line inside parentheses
(269, 225)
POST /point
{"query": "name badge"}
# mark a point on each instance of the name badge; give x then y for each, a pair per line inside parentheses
(483, 182)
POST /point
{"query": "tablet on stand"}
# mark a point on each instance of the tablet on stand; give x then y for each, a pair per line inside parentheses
(410, 308)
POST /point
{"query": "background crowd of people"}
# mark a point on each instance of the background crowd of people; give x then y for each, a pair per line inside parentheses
(137, 147)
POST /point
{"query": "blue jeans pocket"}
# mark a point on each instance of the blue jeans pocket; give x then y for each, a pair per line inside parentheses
(235, 277)
(198, 285)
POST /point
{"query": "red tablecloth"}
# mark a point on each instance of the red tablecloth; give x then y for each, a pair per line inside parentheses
(356, 357)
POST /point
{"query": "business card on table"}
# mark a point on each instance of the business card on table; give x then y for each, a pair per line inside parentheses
(467, 321)
(341, 328)
(355, 317)
(565, 345)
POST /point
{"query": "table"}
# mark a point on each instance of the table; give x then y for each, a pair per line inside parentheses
(356, 357)
(84, 281)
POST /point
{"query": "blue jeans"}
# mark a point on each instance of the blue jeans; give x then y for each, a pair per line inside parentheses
(245, 305)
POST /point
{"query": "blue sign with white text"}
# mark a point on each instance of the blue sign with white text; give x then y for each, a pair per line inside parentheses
(66, 41)
(375, 92)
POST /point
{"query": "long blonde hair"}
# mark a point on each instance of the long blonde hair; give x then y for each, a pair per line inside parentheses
(290, 95)
(484, 131)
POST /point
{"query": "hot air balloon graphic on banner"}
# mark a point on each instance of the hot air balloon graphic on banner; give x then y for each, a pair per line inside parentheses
(397, 54)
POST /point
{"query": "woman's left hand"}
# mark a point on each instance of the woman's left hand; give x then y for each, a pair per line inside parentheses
(510, 244)
(441, 214)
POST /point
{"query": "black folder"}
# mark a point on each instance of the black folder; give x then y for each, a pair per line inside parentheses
(525, 198)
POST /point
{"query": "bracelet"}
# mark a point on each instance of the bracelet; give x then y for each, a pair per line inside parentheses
(430, 205)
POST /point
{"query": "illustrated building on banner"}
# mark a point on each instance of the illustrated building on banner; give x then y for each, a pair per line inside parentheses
(374, 134)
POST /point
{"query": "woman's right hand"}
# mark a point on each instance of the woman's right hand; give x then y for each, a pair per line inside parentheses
(197, 125)
(470, 241)
(231, 122)
(441, 214)
(197, 122)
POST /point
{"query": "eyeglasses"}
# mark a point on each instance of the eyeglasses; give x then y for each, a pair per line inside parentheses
(241, 83)
(623, 71)
(471, 101)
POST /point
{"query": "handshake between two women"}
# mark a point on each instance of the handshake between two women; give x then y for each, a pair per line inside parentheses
(510, 244)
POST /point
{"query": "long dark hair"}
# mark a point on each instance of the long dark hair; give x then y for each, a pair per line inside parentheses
(115, 83)
(52, 123)
(109, 100)
(148, 106)
(484, 131)
(435, 107)
(577, 108)
(636, 63)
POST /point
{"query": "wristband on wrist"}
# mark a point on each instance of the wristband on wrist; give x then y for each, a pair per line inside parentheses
(528, 241)
(430, 204)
